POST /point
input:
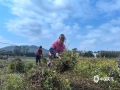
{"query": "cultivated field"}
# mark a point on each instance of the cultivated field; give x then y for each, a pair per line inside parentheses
(73, 73)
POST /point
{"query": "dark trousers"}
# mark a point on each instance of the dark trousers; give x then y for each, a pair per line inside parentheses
(38, 59)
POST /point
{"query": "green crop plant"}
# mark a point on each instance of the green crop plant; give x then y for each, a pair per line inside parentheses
(17, 65)
(14, 82)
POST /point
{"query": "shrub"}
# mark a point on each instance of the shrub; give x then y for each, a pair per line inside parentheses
(116, 75)
(45, 79)
(14, 82)
(17, 65)
(28, 66)
(68, 62)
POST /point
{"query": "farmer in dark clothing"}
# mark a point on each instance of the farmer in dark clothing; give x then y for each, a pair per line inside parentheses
(38, 55)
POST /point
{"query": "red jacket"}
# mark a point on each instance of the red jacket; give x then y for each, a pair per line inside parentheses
(39, 52)
(57, 47)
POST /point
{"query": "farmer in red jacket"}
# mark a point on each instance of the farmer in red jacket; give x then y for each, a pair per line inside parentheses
(57, 47)
(38, 55)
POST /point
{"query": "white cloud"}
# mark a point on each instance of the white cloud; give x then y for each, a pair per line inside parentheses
(33, 17)
(115, 30)
(87, 44)
(76, 27)
(93, 35)
(57, 26)
(46, 19)
(46, 34)
(117, 44)
(2, 39)
(110, 31)
(106, 33)
(4, 42)
(108, 6)
(89, 27)
(25, 27)
(69, 30)
(80, 36)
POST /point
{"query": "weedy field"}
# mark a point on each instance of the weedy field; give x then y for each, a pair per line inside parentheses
(72, 73)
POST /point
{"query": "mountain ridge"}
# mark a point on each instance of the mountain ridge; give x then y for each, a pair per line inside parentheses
(32, 48)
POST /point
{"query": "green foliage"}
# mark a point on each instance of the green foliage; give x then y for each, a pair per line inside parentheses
(44, 61)
(108, 54)
(68, 62)
(17, 65)
(14, 82)
(106, 69)
(52, 83)
(5, 52)
(28, 66)
(88, 54)
(46, 79)
(116, 75)
(88, 68)
(77, 74)
(17, 50)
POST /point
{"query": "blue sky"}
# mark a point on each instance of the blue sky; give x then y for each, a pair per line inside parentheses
(87, 24)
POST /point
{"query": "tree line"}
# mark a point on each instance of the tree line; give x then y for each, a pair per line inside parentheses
(24, 51)
(108, 54)
(18, 51)
(98, 54)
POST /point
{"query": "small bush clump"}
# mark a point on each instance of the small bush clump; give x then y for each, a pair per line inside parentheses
(45, 79)
(28, 66)
(17, 65)
(68, 62)
(14, 82)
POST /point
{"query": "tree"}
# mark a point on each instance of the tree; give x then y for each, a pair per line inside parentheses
(17, 50)
(88, 54)
(25, 50)
(74, 50)
(108, 54)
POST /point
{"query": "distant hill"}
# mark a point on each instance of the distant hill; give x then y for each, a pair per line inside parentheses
(32, 48)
